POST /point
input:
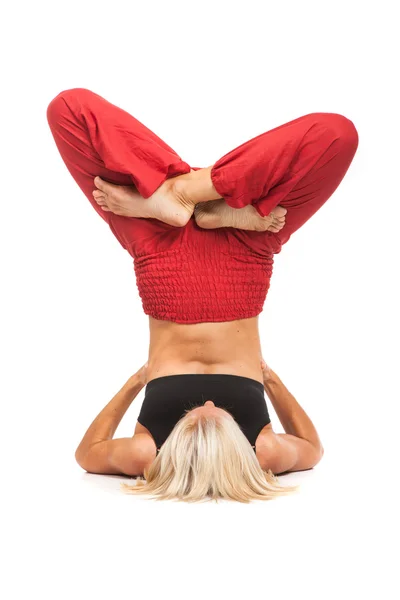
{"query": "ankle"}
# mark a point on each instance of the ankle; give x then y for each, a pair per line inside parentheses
(200, 187)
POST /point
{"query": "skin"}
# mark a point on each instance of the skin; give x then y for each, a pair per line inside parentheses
(209, 408)
(297, 449)
(180, 198)
(231, 347)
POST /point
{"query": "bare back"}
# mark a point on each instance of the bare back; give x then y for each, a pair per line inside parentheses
(231, 348)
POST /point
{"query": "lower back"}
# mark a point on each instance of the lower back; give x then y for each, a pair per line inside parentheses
(231, 347)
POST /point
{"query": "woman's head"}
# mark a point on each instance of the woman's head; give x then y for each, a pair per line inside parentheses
(207, 456)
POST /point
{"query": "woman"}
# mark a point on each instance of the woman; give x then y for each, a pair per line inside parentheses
(203, 241)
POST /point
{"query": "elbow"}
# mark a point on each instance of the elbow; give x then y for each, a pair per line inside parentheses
(319, 453)
(313, 457)
(80, 459)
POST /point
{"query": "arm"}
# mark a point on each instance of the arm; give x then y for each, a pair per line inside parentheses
(300, 447)
(98, 452)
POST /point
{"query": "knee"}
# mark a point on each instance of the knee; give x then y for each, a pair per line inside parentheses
(60, 105)
(341, 128)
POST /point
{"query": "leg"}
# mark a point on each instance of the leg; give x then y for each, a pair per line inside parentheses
(96, 138)
(297, 165)
(170, 202)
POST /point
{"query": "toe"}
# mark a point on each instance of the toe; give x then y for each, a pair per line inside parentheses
(99, 183)
(279, 211)
(100, 199)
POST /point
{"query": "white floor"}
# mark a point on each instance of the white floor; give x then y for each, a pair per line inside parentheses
(74, 535)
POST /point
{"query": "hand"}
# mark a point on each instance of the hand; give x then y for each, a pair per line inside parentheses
(267, 371)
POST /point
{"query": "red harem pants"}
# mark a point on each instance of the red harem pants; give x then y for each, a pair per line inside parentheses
(297, 165)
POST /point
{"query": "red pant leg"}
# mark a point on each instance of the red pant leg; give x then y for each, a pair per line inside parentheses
(297, 165)
(95, 137)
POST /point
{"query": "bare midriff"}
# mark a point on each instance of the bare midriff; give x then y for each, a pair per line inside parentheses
(231, 348)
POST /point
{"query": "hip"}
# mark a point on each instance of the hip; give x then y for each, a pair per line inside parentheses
(156, 370)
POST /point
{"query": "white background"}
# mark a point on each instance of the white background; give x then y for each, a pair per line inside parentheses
(205, 77)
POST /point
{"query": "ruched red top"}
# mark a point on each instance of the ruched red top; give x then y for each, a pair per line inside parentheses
(207, 275)
(189, 274)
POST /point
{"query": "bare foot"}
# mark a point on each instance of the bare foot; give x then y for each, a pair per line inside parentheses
(173, 202)
(169, 203)
(215, 214)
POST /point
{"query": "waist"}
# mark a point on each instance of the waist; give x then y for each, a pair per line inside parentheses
(157, 369)
(233, 347)
(203, 283)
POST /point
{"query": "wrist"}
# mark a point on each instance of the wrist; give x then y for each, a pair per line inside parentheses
(135, 383)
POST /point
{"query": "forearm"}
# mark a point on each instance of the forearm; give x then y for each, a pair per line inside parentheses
(293, 417)
(107, 421)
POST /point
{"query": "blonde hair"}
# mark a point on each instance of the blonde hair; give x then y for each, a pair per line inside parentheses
(207, 457)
